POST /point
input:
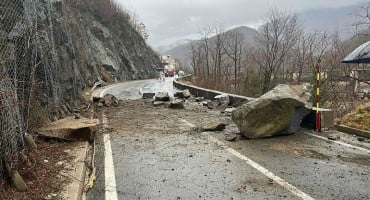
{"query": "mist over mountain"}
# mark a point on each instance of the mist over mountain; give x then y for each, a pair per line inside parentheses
(182, 50)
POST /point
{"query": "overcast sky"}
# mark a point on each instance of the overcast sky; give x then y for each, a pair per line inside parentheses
(171, 20)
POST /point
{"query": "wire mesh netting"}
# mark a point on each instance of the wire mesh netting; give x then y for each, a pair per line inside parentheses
(28, 68)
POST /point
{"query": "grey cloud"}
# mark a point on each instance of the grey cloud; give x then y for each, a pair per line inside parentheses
(168, 19)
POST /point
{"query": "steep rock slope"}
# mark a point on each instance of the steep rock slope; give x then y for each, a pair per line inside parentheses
(51, 50)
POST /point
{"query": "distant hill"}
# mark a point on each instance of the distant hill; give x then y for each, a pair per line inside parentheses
(182, 51)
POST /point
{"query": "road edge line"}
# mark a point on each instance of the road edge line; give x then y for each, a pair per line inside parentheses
(283, 183)
(110, 177)
(341, 143)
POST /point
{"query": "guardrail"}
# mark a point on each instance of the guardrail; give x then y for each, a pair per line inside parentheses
(235, 100)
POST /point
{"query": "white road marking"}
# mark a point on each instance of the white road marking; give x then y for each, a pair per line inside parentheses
(258, 167)
(341, 143)
(110, 177)
(299, 193)
(188, 123)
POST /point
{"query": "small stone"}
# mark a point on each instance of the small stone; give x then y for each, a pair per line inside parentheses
(159, 103)
(230, 136)
(100, 104)
(199, 99)
(213, 126)
(330, 137)
(228, 160)
(67, 151)
(361, 139)
(230, 110)
(46, 161)
(177, 104)
(212, 104)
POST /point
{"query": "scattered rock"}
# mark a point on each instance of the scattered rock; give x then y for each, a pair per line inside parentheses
(110, 100)
(333, 137)
(76, 115)
(100, 104)
(212, 104)
(96, 99)
(230, 136)
(177, 104)
(70, 129)
(148, 95)
(183, 94)
(213, 126)
(271, 114)
(223, 99)
(230, 110)
(162, 96)
(159, 103)
(199, 99)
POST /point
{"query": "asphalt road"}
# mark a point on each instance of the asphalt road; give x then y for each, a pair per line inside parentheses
(159, 162)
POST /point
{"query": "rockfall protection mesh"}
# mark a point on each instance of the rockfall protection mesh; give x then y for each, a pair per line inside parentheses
(27, 71)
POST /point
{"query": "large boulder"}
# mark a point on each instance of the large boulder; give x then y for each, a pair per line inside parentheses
(223, 99)
(110, 100)
(70, 128)
(177, 104)
(279, 111)
(183, 94)
(162, 96)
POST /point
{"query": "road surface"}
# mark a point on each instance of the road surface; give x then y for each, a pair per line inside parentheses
(147, 152)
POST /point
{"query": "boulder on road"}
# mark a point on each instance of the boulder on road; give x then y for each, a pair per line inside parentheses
(162, 96)
(177, 104)
(148, 95)
(223, 99)
(279, 111)
(70, 128)
(212, 104)
(183, 94)
(110, 100)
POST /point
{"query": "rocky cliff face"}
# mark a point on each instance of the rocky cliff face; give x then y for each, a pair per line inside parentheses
(51, 50)
(80, 42)
(89, 46)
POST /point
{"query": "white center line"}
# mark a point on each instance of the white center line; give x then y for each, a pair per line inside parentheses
(110, 177)
(341, 143)
(299, 193)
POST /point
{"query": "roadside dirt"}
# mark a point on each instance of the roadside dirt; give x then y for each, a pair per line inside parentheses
(359, 118)
(42, 172)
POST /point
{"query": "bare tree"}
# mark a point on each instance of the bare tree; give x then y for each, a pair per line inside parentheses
(273, 43)
(234, 47)
(362, 25)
